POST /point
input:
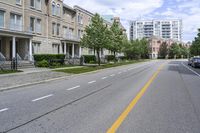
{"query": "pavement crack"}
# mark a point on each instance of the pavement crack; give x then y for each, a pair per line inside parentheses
(54, 110)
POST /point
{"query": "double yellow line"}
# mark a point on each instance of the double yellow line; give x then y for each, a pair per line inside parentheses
(125, 113)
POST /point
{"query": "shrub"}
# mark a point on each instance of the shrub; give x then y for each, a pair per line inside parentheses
(42, 63)
(47, 57)
(110, 58)
(89, 58)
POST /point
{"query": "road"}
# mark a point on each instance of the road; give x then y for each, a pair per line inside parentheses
(152, 97)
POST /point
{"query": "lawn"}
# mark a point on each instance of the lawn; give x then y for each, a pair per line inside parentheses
(94, 68)
(9, 71)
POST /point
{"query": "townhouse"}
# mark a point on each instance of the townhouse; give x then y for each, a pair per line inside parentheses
(30, 27)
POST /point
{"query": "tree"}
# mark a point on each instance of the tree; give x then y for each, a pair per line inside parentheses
(163, 50)
(96, 36)
(174, 50)
(195, 47)
(144, 48)
(116, 38)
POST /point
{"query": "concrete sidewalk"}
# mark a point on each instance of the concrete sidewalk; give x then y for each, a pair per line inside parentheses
(31, 76)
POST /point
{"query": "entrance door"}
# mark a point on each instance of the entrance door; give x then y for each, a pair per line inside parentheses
(70, 50)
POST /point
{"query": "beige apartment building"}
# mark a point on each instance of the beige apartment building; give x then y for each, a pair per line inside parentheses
(30, 27)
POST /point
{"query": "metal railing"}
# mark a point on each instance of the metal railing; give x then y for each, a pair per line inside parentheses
(2, 60)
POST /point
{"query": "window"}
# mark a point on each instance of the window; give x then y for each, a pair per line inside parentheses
(58, 10)
(36, 47)
(58, 29)
(18, 2)
(80, 19)
(53, 8)
(36, 4)
(32, 24)
(32, 3)
(15, 22)
(64, 32)
(53, 28)
(38, 26)
(56, 48)
(1, 19)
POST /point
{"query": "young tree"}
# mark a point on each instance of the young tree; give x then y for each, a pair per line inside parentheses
(174, 50)
(144, 48)
(116, 38)
(195, 47)
(96, 35)
(163, 50)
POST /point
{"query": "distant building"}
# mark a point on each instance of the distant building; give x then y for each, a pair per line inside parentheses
(155, 43)
(166, 29)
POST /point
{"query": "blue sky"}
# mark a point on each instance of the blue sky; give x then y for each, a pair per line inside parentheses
(187, 10)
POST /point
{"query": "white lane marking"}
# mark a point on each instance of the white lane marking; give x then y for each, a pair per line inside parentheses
(2, 110)
(44, 97)
(112, 75)
(92, 82)
(119, 72)
(74, 88)
(104, 78)
(191, 70)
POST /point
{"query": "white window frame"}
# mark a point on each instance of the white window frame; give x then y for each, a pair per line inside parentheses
(58, 9)
(15, 24)
(38, 27)
(35, 3)
(32, 29)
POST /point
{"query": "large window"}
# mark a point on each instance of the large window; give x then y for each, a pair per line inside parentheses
(1, 19)
(15, 22)
(37, 4)
(56, 48)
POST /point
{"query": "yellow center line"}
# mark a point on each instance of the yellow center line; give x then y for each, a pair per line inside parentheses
(125, 113)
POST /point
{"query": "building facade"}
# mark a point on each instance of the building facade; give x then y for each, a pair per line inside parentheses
(166, 29)
(30, 27)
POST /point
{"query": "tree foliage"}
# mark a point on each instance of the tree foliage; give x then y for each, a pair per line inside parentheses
(163, 51)
(96, 36)
(195, 47)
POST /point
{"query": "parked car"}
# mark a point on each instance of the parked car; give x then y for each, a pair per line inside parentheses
(190, 61)
(195, 62)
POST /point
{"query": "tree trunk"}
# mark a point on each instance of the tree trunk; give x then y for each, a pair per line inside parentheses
(98, 56)
(115, 56)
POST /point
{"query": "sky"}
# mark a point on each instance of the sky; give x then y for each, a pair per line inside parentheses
(127, 10)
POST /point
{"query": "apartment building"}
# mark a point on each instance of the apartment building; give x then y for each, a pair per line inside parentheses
(30, 27)
(166, 29)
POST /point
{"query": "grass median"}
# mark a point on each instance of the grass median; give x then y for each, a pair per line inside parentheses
(95, 68)
(9, 71)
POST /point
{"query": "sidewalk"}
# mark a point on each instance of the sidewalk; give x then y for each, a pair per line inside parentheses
(30, 76)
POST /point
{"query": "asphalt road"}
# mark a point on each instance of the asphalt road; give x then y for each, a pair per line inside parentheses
(151, 97)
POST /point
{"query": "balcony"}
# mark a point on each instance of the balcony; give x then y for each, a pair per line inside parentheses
(71, 37)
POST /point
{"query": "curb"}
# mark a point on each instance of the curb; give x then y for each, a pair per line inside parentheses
(59, 78)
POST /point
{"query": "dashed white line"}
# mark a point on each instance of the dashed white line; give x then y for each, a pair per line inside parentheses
(2, 110)
(44, 97)
(112, 75)
(92, 82)
(74, 88)
(191, 70)
(104, 78)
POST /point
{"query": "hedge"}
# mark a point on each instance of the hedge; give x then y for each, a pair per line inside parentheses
(89, 58)
(47, 57)
(110, 57)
